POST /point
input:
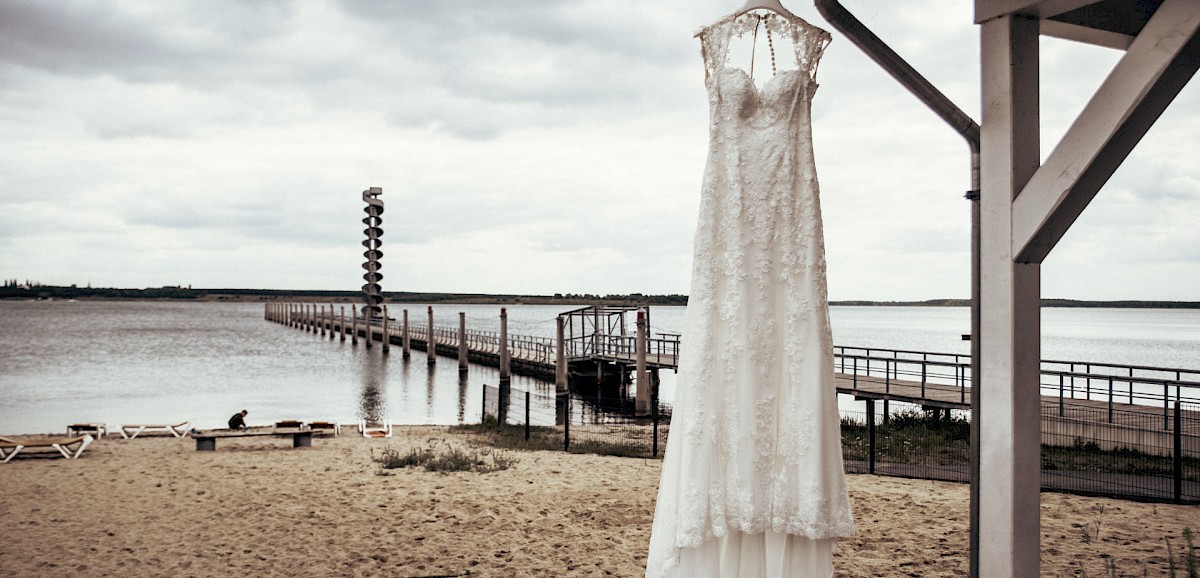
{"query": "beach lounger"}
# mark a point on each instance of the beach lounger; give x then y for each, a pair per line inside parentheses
(77, 429)
(332, 426)
(178, 430)
(10, 447)
(375, 429)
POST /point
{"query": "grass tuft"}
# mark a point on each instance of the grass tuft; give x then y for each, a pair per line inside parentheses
(444, 457)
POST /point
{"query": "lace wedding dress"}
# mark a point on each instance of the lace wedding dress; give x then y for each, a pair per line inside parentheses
(752, 482)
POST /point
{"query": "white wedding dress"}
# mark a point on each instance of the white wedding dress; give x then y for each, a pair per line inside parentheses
(752, 482)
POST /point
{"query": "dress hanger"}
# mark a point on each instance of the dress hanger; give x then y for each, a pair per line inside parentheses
(772, 5)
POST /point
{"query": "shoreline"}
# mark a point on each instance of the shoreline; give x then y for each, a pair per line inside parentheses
(255, 506)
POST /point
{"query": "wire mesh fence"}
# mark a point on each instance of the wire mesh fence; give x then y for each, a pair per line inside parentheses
(1126, 452)
(1132, 455)
(585, 424)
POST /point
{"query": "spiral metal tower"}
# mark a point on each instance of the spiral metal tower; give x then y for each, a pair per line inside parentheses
(372, 294)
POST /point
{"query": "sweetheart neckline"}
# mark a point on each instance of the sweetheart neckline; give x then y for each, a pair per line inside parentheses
(750, 81)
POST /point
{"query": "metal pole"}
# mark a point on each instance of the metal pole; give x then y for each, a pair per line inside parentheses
(881, 53)
(1177, 462)
(870, 436)
(526, 415)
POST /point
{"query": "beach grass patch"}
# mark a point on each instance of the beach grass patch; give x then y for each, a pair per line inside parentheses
(441, 456)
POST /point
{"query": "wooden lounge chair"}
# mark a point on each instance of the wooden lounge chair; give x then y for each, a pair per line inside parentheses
(332, 426)
(10, 447)
(178, 430)
(289, 424)
(375, 429)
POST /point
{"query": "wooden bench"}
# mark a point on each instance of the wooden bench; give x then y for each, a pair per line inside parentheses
(207, 441)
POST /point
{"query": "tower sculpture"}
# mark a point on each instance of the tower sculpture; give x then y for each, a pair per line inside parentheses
(372, 294)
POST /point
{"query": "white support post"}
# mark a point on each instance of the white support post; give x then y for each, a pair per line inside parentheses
(1009, 412)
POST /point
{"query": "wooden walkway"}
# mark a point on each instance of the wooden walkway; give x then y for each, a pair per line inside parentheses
(929, 380)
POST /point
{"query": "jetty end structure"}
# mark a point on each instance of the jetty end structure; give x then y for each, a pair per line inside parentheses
(1023, 207)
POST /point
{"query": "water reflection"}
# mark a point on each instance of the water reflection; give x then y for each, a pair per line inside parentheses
(463, 382)
(372, 403)
(430, 414)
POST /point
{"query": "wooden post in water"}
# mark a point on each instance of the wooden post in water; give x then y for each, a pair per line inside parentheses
(353, 325)
(560, 360)
(331, 319)
(368, 335)
(387, 338)
(430, 342)
(505, 376)
(342, 320)
(323, 320)
(642, 404)
(462, 342)
(404, 337)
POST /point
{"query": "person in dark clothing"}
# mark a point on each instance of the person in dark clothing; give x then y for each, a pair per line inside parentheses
(238, 421)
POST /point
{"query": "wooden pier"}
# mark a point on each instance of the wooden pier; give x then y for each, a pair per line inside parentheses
(599, 346)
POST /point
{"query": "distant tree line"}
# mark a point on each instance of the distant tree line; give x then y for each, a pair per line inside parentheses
(12, 289)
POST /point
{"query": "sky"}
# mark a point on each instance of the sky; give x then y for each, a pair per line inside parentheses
(539, 147)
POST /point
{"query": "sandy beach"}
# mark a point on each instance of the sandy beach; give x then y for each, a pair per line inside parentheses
(257, 507)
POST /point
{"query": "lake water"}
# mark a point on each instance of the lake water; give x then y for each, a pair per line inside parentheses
(151, 362)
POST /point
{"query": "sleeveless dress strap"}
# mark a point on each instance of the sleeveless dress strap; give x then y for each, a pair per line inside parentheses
(808, 41)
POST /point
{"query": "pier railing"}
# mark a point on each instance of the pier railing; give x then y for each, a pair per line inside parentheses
(944, 379)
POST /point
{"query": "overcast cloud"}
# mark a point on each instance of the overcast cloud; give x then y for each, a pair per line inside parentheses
(535, 147)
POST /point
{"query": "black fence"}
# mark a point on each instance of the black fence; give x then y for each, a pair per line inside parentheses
(1124, 452)
(597, 423)
(1106, 451)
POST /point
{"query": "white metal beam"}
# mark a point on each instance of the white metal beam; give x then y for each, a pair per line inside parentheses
(1086, 35)
(1010, 349)
(1157, 65)
(988, 9)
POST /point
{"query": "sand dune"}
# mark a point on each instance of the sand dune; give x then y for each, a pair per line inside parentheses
(257, 507)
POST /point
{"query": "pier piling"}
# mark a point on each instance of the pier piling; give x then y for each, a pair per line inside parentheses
(463, 354)
(430, 342)
(560, 360)
(404, 337)
(386, 337)
(505, 375)
(642, 404)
